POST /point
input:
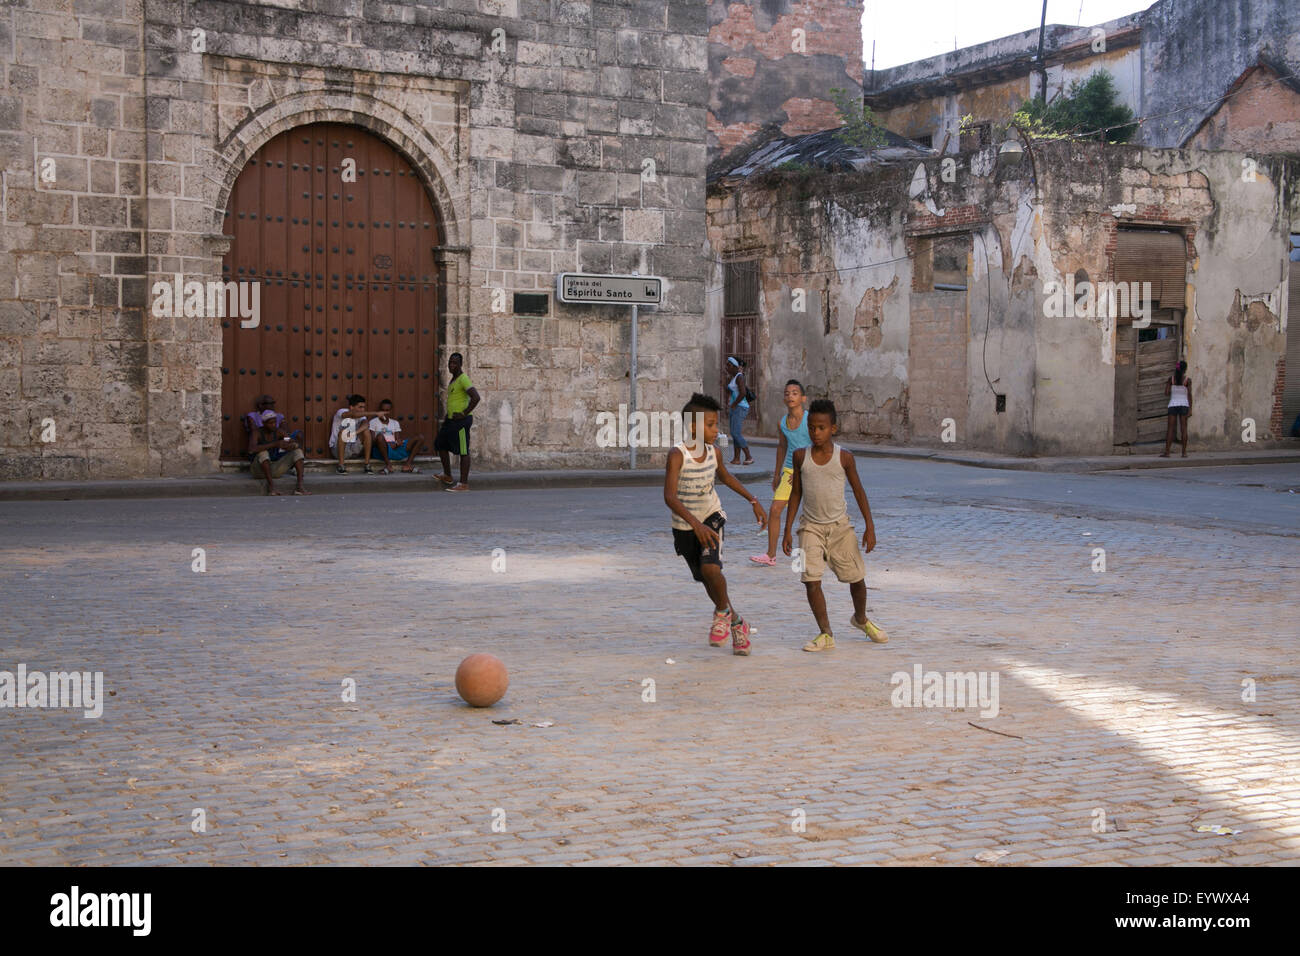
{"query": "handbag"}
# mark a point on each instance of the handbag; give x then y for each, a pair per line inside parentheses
(749, 394)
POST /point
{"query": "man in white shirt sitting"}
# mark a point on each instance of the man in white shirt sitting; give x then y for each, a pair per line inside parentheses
(388, 446)
(350, 433)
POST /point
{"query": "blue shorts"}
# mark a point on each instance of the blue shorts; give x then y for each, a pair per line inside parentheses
(396, 452)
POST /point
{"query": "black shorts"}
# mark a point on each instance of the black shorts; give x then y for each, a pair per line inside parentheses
(1179, 410)
(696, 555)
(453, 436)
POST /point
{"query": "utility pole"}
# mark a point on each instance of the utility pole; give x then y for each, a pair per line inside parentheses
(1042, 67)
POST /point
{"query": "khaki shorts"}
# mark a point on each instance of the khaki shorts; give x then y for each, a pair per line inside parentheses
(831, 544)
(278, 467)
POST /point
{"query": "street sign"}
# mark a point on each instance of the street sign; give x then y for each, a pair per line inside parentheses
(575, 287)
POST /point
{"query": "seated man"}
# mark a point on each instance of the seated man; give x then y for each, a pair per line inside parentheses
(384, 428)
(350, 433)
(272, 453)
(253, 420)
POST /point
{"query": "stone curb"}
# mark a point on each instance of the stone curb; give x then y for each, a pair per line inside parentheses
(239, 484)
(1270, 456)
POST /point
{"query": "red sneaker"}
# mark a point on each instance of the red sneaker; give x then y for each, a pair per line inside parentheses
(740, 644)
(721, 626)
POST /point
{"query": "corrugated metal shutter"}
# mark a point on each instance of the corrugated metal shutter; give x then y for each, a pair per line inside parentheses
(1155, 256)
(1291, 391)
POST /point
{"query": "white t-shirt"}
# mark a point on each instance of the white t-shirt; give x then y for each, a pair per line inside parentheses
(384, 432)
(337, 427)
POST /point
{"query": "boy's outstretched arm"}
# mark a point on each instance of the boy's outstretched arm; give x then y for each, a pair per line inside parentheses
(851, 472)
(796, 498)
(703, 533)
(730, 481)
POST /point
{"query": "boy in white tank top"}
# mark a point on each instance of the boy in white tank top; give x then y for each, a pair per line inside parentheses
(698, 518)
(826, 536)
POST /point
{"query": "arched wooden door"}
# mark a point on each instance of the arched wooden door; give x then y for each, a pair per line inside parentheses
(348, 285)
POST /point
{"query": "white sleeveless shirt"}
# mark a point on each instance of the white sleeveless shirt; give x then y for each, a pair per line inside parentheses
(695, 486)
(1178, 396)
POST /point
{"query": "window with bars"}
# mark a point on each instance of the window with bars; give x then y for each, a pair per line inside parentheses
(740, 287)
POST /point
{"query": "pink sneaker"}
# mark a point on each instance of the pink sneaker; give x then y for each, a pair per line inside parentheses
(764, 559)
(721, 626)
(740, 639)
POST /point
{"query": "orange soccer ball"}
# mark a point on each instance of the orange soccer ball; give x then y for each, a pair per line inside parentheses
(481, 680)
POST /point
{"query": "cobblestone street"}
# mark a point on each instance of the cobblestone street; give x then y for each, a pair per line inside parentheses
(1135, 704)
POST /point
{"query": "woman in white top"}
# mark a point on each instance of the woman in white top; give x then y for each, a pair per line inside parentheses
(1179, 390)
(737, 409)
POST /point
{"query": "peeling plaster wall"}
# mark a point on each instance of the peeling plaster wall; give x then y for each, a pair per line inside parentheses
(858, 239)
(1124, 66)
(861, 362)
(1236, 233)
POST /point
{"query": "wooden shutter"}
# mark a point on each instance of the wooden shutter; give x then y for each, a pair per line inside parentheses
(1155, 256)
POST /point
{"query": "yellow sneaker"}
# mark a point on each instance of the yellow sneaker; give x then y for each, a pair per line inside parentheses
(821, 643)
(869, 629)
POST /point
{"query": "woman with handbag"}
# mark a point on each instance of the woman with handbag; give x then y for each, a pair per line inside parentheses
(739, 396)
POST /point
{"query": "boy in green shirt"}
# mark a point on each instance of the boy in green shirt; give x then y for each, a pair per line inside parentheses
(453, 436)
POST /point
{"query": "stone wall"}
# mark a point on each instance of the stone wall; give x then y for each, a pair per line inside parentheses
(553, 135)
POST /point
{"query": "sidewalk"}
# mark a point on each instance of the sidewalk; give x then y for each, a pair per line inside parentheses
(1288, 452)
(323, 480)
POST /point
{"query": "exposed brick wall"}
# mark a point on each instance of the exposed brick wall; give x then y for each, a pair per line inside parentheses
(936, 366)
(764, 71)
(1262, 115)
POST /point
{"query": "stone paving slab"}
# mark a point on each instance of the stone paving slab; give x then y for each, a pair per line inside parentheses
(1120, 692)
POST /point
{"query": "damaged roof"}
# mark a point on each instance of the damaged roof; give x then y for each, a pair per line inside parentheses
(770, 150)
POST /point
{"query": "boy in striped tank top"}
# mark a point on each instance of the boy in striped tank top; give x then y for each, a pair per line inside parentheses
(826, 535)
(698, 518)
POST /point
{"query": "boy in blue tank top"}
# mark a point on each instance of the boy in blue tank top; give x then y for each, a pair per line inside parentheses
(794, 435)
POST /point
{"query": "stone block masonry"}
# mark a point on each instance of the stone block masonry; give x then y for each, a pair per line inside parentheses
(550, 136)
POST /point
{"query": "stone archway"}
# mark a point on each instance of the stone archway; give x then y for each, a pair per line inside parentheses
(424, 121)
(336, 229)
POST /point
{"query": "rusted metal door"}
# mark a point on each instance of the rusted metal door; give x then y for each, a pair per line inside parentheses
(348, 285)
